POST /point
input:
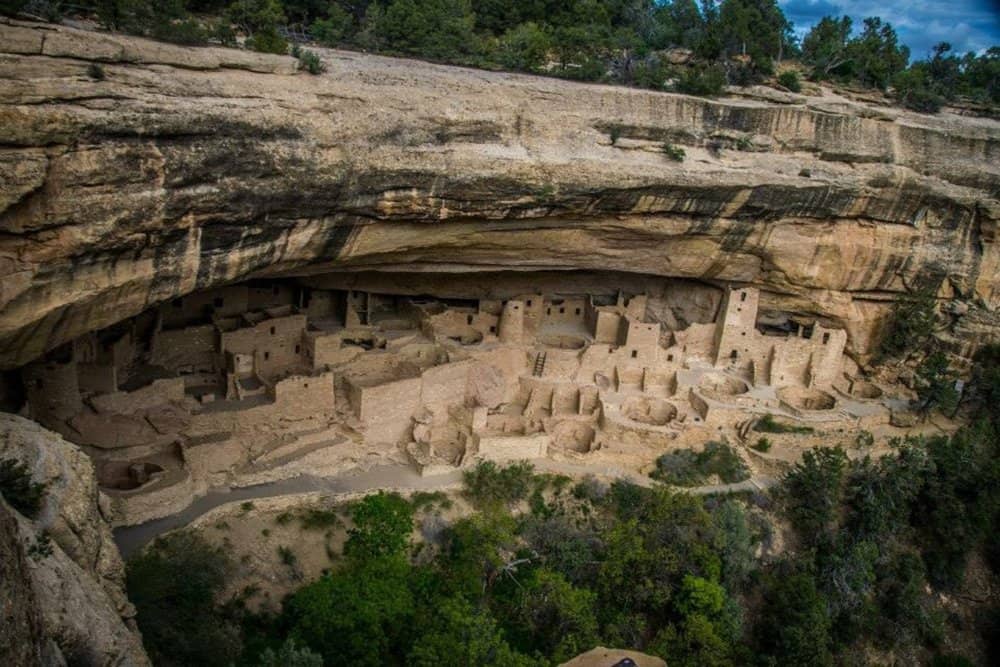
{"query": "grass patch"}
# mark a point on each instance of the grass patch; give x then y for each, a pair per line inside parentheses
(768, 424)
(685, 467)
(284, 518)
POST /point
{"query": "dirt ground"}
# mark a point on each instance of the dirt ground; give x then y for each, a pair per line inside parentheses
(279, 544)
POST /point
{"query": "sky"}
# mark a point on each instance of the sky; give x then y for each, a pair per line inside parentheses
(968, 25)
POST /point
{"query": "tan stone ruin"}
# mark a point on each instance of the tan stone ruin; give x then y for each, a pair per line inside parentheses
(265, 380)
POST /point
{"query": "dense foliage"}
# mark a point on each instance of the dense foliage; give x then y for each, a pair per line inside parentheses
(911, 323)
(875, 58)
(624, 41)
(544, 570)
(684, 467)
(174, 585)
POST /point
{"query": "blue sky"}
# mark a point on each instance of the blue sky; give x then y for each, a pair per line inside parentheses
(969, 25)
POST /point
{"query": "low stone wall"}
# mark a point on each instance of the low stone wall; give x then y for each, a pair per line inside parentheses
(126, 402)
(511, 447)
(145, 504)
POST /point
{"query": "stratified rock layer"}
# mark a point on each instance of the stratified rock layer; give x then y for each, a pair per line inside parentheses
(187, 168)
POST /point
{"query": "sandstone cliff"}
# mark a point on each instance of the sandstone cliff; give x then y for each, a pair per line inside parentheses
(186, 168)
(63, 599)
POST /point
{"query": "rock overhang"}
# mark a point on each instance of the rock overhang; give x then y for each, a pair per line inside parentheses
(186, 169)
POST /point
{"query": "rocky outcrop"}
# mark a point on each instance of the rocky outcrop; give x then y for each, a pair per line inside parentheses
(171, 169)
(21, 638)
(68, 579)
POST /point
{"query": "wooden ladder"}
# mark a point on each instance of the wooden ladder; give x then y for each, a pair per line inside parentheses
(539, 364)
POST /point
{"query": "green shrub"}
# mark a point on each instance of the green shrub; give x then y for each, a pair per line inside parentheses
(911, 324)
(96, 72)
(679, 468)
(768, 424)
(984, 387)
(762, 445)
(524, 47)
(675, 153)
(651, 73)
(935, 384)
(914, 91)
(17, 488)
(685, 467)
(704, 81)
(335, 28)
(287, 556)
(790, 80)
(267, 41)
(222, 32)
(864, 439)
(489, 485)
(812, 491)
(590, 489)
(309, 61)
(186, 31)
(426, 500)
(11, 7)
(382, 526)
(290, 655)
(41, 548)
(718, 458)
(246, 506)
(440, 29)
(315, 518)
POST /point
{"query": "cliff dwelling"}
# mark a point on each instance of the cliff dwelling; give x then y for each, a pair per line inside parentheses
(238, 384)
(649, 325)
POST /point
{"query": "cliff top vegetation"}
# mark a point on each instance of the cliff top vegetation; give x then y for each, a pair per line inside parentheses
(676, 45)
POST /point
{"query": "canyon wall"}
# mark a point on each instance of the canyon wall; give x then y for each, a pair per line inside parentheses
(170, 169)
(62, 592)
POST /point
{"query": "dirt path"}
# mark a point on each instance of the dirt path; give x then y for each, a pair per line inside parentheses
(395, 476)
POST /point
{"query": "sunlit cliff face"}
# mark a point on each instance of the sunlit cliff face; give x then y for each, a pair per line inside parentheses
(186, 170)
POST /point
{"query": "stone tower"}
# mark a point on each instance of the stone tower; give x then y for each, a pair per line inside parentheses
(734, 328)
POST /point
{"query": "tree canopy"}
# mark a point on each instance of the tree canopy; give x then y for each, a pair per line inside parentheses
(734, 42)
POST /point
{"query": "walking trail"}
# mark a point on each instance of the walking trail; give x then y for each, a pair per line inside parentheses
(390, 476)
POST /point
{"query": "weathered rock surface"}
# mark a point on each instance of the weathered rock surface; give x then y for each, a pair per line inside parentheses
(186, 168)
(76, 593)
(21, 640)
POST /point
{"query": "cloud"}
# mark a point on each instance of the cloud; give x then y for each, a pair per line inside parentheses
(968, 25)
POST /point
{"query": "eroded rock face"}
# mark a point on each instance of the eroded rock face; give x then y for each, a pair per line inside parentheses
(77, 592)
(184, 169)
(21, 639)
